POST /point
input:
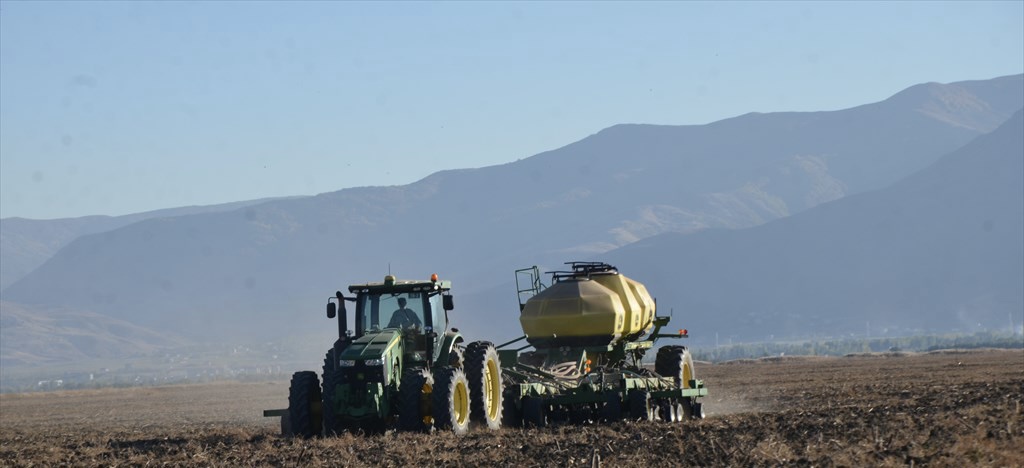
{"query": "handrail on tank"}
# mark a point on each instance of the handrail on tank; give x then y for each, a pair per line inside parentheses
(534, 286)
(583, 270)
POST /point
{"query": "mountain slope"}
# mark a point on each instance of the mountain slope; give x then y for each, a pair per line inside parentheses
(31, 336)
(265, 268)
(27, 243)
(941, 250)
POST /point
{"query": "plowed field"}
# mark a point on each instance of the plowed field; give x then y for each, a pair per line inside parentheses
(942, 409)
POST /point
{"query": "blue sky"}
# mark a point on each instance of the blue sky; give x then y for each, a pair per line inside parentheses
(122, 107)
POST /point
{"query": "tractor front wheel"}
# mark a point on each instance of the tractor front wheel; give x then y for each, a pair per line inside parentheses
(414, 395)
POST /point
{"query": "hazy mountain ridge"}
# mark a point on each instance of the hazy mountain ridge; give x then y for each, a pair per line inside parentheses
(28, 337)
(940, 250)
(264, 269)
(27, 243)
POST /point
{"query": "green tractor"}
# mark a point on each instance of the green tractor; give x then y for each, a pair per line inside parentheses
(400, 366)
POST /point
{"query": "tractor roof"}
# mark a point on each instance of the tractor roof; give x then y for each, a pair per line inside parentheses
(392, 285)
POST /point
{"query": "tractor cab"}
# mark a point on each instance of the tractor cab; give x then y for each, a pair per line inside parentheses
(414, 310)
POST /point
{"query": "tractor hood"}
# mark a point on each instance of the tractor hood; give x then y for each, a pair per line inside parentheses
(372, 345)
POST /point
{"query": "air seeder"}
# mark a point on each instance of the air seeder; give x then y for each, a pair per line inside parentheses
(589, 331)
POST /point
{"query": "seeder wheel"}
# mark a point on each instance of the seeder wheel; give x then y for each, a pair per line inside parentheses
(677, 363)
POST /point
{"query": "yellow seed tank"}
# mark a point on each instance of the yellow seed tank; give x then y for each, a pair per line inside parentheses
(588, 308)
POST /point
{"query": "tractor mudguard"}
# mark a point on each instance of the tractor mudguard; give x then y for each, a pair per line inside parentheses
(449, 341)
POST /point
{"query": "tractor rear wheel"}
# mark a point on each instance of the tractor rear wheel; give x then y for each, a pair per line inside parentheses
(414, 395)
(450, 401)
(640, 408)
(483, 371)
(304, 405)
(332, 378)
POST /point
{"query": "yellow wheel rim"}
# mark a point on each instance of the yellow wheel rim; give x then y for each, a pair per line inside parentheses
(492, 390)
(460, 399)
(687, 369)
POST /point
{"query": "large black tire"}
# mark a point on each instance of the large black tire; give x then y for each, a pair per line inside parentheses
(675, 362)
(332, 378)
(414, 399)
(456, 357)
(534, 413)
(304, 404)
(483, 371)
(661, 362)
(640, 408)
(450, 400)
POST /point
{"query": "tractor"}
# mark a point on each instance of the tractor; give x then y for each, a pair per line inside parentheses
(399, 367)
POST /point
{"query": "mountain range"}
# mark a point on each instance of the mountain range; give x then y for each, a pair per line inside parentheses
(714, 218)
(940, 251)
(27, 243)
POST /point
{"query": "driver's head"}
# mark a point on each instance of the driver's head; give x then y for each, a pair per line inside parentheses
(401, 302)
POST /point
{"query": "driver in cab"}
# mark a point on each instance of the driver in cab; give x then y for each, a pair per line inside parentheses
(404, 317)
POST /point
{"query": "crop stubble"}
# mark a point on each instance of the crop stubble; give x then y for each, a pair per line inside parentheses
(943, 408)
